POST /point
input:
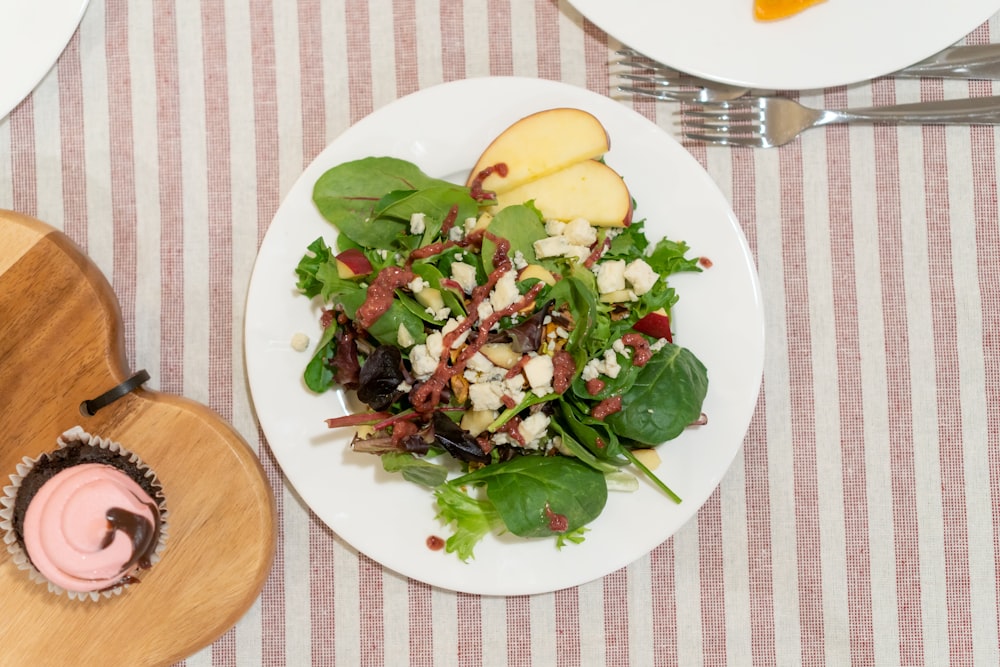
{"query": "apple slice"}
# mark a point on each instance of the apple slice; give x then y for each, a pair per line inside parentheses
(351, 263)
(590, 189)
(538, 145)
(655, 324)
(537, 271)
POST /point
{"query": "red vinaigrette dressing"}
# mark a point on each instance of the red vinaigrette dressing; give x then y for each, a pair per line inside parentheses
(435, 543)
(476, 187)
(427, 396)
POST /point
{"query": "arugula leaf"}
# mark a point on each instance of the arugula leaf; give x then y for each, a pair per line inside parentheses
(540, 496)
(666, 397)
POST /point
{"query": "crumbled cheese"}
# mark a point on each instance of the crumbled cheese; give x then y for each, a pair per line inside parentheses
(533, 428)
(403, 337)
(422, 362)
(505, 292)
(514, 388)
(486, 395)
(484, 310)
(465, 275)
(435, 345)
(539, 371)
(658, 344)
(611, 276)
(555, 227)
(622, 349)
(404, 386)
(470, 225)
(580, 232)
(611, 366)
(641, 276)
(456, 234)
(418, 284)
(450, 326)
(300, 342)
(417, 223)
(519, 261)
(606, 365)
(441, 314)
(383, 253)
(551, 246)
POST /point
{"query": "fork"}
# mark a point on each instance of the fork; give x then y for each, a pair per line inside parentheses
(668, 84)
(765, 122)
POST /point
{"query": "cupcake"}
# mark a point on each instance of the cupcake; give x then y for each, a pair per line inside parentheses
(85, 518)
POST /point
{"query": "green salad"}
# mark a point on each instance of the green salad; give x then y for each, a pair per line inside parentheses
(512, 365)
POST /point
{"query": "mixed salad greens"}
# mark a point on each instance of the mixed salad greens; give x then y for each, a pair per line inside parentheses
(502, 368)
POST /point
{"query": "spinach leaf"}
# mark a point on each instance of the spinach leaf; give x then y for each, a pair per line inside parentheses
(540, 496)
(386, 328)
(666, 397)
(521, 226)
(348, 194)
(318, 376)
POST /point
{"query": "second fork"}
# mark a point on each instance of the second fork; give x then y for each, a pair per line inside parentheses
(766, 122)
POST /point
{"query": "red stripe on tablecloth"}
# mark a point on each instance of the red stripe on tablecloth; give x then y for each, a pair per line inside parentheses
(452, 40)
(421, 618)
(755, 455)
(547, 38)
(616, 618)
(218, 160)
(371, 611)
(272, 596)
(266, 150)
(984, 178)
(664, 603)
(849, 390)
(314, 137)
(946, 372)
(897, 353)
(469, 610)
(72, 141)
(711, 568)
(322, 593)
(404, 28)
(171, 186)
(359, 62)
(22, 157)
(801, 389)
(501, 51)
(567, 616)
(518, 630)
(123, 212)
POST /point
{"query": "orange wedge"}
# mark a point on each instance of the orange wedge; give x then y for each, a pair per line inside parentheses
(770, 10)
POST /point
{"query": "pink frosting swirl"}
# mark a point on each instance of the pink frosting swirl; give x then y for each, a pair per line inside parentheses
(90, 527)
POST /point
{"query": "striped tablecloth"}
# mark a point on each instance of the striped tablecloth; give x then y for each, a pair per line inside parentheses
(859, 524)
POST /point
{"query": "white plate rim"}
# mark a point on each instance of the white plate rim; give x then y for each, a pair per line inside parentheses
(837, 42)
(420, 127)
(33, 34)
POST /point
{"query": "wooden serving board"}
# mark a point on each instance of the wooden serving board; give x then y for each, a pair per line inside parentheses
(61, 344)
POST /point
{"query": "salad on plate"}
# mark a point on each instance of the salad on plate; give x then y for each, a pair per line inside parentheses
(508, 340)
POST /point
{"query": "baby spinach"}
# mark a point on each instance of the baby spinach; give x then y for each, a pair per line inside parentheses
(541, 496)
(349, 194)
(414, 469)
(521, 226)
(666, 397)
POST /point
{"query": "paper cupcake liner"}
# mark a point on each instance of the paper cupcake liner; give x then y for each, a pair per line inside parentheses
(20, 557)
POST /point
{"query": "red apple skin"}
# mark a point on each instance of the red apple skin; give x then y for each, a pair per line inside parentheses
(656, 325)
(353, 262)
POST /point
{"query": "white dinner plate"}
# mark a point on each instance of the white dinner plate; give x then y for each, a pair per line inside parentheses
(834, 43)
(33, 33)
(443, 129)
